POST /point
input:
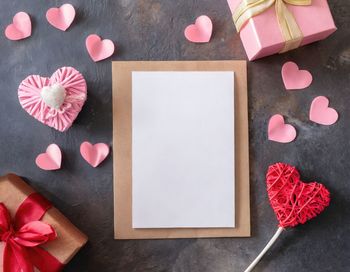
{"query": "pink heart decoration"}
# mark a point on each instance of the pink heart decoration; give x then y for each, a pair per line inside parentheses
(94, 154)
(295, 79)
(42, 97)
(320, 113)
(200, 31)
(99, 49)
(280, 132)
(51, 159)
(62, 17)
(20, 28)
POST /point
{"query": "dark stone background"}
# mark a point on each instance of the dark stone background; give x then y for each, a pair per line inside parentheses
(153, 30)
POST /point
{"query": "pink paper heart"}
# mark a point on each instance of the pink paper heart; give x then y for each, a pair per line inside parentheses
(200, 31)
(94, 154)
(99, 49)
(280, 132)
(61, 17)
(20, 28)
(320, 113)
(295, 79)
(51, 159)
(32, 99)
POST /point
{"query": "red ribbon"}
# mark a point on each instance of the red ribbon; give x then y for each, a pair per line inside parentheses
(24, 235)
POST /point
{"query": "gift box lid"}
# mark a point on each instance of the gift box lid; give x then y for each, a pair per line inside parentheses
(262, 36)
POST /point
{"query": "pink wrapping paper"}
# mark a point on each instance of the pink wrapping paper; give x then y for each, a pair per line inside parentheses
(261, 36)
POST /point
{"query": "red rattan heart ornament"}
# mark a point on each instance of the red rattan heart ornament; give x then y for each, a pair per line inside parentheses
(293, 201)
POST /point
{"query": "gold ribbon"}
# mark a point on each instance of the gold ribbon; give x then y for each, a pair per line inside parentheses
(290, 30)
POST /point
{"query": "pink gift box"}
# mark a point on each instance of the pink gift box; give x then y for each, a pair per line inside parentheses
(262, 36)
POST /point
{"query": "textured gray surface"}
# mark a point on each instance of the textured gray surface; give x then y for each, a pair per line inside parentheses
(153, 30)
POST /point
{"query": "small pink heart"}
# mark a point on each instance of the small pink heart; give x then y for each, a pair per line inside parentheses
(320, 113)
(61, 17)
(20, 28)
(94, 154)
(51, 159)
(99, 49)
(295, 79)
(280, 132)
(200, 31)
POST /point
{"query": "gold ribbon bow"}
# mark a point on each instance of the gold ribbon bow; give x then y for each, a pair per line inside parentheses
(290, 30)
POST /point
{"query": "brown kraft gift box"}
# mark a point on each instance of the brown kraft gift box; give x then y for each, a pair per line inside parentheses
(13, 191)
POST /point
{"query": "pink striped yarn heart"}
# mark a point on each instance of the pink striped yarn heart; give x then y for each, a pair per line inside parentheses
(55, 101)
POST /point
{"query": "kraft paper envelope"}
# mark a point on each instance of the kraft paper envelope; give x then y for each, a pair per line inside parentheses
(122, 139)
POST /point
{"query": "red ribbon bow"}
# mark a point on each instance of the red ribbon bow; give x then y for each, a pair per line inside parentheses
(24, 235)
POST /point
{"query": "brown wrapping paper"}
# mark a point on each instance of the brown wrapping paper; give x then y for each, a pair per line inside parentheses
(13, 191)
(121, 75)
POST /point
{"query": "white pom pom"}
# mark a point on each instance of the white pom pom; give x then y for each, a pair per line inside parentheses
(53, 96)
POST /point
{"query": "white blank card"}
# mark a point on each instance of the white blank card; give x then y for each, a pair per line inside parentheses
(183, 150)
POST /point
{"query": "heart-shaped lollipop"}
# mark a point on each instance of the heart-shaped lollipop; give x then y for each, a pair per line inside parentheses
(293, 201)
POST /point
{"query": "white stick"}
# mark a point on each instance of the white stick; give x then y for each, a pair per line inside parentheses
(266, 248)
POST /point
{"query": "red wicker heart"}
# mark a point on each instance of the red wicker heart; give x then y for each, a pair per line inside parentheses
(293, 201)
